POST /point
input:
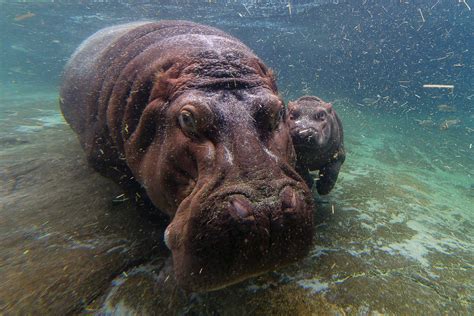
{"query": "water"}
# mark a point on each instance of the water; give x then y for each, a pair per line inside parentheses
(394, 236)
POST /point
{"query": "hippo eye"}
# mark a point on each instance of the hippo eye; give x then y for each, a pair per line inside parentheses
(320, 116)
(187, 122)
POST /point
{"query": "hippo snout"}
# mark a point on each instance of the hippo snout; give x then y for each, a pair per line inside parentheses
(242, 207)
(305, 136)
(306, 132)
(239, 236)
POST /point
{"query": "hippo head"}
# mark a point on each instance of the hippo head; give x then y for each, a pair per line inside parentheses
(213, 151)
(311, 123)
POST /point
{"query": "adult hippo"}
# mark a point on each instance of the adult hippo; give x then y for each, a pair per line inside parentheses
(193, 116)
(318, 137)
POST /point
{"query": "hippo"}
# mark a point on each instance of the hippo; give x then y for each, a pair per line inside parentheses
(318, 138)
(192, 117)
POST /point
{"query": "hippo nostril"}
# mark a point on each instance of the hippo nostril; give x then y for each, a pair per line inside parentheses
(288, 199)
(306, 134)
(241, 206)
(241, 210)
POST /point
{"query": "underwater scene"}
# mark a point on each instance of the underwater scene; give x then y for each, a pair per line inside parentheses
(167, 179)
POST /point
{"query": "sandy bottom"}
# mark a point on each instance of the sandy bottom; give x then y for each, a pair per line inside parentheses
(396, 235)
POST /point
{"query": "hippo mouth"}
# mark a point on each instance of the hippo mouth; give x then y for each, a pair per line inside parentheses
(237, 234)
(306, 136)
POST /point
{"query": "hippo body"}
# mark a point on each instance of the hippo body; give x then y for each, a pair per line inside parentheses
(191, 116)
(318, 138)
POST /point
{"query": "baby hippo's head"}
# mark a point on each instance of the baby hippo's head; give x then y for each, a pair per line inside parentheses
(312, 122)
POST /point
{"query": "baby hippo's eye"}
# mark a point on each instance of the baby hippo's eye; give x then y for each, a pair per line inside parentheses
(187, 122)
(294, 115)
(320, 116)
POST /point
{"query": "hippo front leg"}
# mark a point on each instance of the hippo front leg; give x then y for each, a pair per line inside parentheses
(328, 177)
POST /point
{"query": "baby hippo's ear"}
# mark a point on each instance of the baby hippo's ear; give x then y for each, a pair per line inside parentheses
(290, 105)
(328, 107)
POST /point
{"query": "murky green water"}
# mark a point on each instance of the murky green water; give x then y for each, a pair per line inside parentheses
(395, 236)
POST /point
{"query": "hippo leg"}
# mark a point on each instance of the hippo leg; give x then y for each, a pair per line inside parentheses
(328, 176)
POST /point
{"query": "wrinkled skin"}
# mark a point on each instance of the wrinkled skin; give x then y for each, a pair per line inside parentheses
(193, 117)
(318, 139)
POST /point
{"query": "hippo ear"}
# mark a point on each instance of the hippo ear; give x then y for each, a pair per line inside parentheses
(144, 134)
(168, 80)
(291, 106)
(165, 82)
(267, 75)
(328, 107)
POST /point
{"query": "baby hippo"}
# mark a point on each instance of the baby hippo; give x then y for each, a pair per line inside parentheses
(318, 140)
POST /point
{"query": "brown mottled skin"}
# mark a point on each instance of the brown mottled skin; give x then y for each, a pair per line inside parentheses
(318, 139)
(192, 116)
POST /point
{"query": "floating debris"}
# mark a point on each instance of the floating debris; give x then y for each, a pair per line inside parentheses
(120, 199)
(20, 71)
(438, 86)
(465, 3)
(25, 16)
(422, 17)
(425, 123)
(20, 48)
(446, 108)
(371, 101)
